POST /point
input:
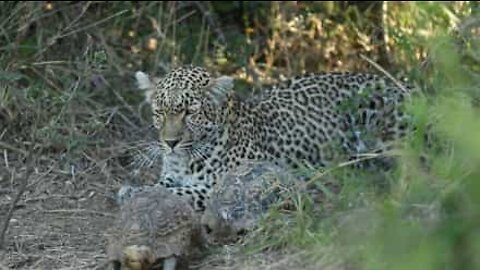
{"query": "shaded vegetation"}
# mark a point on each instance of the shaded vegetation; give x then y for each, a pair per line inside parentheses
(67, 77)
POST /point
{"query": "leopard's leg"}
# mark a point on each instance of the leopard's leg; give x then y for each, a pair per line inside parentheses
(175, 180)
(196, 194)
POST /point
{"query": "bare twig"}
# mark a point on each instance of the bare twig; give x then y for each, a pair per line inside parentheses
(207, 11)
(12, 148)
(47, 80)
(363, 157)
(126, 105)
(23, 186)
(93, 24)
(377, 66)
(61, 34)
(77, 211)
(30, 165)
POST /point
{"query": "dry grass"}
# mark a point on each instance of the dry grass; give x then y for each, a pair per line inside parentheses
(60, 220)
(67, 77)
(59, 223)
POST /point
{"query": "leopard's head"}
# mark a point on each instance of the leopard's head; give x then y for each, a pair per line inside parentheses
(188, 105)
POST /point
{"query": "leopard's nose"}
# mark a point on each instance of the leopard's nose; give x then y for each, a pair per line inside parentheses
(172, 143)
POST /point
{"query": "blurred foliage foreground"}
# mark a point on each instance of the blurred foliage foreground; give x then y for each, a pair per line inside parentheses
(66, 91)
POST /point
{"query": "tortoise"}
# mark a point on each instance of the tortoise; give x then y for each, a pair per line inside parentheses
(242, 198)
(152, 227)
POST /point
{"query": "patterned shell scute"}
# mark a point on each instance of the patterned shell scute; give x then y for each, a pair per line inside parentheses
(248, 191)
(155, 218)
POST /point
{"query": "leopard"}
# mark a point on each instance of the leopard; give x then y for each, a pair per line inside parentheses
(205, 129)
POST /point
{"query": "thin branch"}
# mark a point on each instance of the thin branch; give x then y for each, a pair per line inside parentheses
(60, 35)
(31, 160)
(363, 157)
(12, 148)
(208, 12)
(30, 165)
(93, 24)
(377, 66)
(77, 211)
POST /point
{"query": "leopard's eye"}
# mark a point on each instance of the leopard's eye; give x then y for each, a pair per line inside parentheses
(158, 118)
(159, 113)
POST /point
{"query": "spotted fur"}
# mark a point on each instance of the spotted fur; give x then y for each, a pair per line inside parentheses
(320, 119)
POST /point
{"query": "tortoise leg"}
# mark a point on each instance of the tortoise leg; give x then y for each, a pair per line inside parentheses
(116, 265)
(169, 263)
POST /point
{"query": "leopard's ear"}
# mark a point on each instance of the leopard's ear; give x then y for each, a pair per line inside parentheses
(148, 85)
(219, 89)
(143, 81)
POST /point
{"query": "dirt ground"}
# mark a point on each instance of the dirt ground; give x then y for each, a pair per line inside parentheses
(62, 219)
(59, 223)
